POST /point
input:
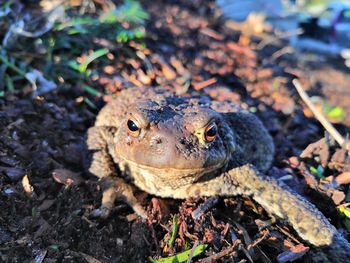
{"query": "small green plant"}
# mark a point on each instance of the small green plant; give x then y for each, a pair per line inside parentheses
(122, 24)
(130, 11)
(344, 210)
(335, 113)
(71, 44)
(318, 171)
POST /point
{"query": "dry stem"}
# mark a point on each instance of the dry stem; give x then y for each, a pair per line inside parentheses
(322, 119)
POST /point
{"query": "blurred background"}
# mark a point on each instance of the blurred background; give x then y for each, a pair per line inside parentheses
(324, 24)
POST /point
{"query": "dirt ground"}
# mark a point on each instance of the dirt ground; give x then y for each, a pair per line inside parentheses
(188, 45)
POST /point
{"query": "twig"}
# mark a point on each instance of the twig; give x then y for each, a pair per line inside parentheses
(222, 253)
(281, 52)
(344, 205)
(288, 234)
(209, 203)
(206, 83)
(322, 119)
(277, 37)
(258, 240)
(211, 33)
(189, 260)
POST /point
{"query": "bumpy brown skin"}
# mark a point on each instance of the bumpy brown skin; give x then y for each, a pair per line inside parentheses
(169, 157)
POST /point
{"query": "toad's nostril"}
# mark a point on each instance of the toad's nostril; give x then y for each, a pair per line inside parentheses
(157, 140)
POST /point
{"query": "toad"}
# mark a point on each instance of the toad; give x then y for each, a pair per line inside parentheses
(179, 147)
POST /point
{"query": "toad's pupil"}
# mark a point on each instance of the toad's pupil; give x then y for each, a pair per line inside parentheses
(211, 132)
(132, 126)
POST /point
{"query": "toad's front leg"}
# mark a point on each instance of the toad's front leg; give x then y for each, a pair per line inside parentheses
(116, 188)
(279, 200)
(304, 217)
(102, 166)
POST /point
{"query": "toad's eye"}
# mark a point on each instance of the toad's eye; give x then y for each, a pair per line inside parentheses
(210, 132)
(134, 130)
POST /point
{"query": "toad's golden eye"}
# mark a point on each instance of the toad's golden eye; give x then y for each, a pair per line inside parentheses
(210, 132)
(134, 130)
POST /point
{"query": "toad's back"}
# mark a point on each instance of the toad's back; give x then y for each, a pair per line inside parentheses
(117, 109)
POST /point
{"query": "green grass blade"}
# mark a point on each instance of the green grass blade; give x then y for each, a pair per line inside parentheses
(77, 22)
(90, 103)
(74, 65)
(92, 91)
(183, 256)
(12, 66)
(9, 84)
(174, 232)
(94, 55)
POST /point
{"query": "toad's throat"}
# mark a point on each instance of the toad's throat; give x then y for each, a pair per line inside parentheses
(170, 170)
(160, 181)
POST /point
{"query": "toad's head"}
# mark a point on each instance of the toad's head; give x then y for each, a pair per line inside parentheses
(174, 137)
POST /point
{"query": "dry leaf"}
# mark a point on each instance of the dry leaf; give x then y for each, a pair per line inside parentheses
(338, 196)
(67, 177)
(343, 178)
(109, 69)
(26, 186)
(168, 72)
(294, 253)
(89, 258)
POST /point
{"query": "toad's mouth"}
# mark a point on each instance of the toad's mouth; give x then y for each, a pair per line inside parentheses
(175, 171)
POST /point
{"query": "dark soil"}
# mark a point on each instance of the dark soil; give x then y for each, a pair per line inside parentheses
(189, 47)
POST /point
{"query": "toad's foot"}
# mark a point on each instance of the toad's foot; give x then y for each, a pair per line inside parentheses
(102, 165)
(116, 188)
(337, 252)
